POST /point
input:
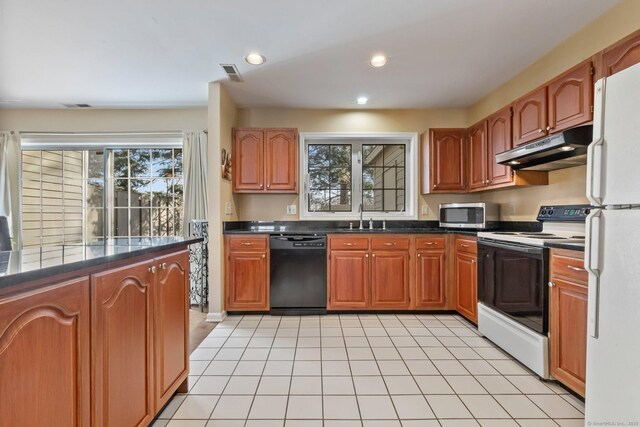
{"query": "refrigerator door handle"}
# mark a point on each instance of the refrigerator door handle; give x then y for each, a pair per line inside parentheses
(592, 265)
(594, 151)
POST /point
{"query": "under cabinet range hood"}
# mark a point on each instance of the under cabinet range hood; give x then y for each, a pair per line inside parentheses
(563, 150)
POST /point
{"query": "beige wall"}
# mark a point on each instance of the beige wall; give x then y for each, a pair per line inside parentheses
(274, 207)
(222, 118)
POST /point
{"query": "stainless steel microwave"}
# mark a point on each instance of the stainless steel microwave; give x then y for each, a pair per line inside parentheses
(476, 216)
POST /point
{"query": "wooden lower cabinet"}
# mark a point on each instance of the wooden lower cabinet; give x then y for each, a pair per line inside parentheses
(121, 363)
(568, 319)
(390, 280)
(171, 325)
(348, 280)
(247, 273)
(465, 271)
(44, 356)
(430, 279)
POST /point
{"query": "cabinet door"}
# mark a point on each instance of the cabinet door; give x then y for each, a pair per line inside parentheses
(568, 330)
(44, 357)
(247, 287)
(171, 325)
(571, 98)
(121, 349)
(466, 285)
(248, 160)
(499, 142)
(530, 117)
(478, 156)
(447, 160)
(390, 279)
(281, 148)
(348, 279)
(621, 55)
(430, 279)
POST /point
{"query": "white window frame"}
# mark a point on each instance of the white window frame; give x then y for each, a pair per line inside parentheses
(409, 139)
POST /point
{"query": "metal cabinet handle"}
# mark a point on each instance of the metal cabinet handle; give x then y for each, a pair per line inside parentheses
(390, 243)
(429, 243)
(464, 245)
(575, 268)
(552, 285)
(152, 269)
(419, 255)
(540, 130)
(268, 185)
(246, 243)
(348, 243)
(366, 255)
(373, 255)
(163, 266)
(264, 256)
(549, 128)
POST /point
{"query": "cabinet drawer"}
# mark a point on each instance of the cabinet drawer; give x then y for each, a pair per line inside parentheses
(466, 245)
(438, 242)
(347, 243)
(390, 243)
(568, 267)
(248, 243)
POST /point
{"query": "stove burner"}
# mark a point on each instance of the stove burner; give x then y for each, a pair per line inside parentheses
(547, 237)
(537, 234)
(505, 233)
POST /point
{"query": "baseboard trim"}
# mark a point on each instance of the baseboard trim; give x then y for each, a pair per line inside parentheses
(216, 317)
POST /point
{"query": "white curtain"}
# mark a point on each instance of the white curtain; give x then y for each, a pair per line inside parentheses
(5, 184)
(196, 201)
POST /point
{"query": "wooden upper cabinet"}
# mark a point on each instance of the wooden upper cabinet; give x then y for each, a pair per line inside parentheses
(281, 160)
(348, 279)
(121, 346)
(571, 98)
(265, 160)
(44, 357)
(171, 325)
(478, 146)
(530, 117)
(447, 165)
(499, 141)
(390, 279)
(248, 160)
(430, 279)
(621, 55)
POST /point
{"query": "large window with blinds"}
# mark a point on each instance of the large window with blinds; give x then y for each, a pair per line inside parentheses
(83, 195)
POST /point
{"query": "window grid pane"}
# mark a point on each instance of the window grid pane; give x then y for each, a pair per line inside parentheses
(330, 177)
(383, 177)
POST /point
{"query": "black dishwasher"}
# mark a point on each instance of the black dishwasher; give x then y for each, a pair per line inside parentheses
(298, 279)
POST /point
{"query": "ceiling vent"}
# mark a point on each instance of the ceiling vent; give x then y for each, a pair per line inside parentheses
(77, 105)
(232, 72)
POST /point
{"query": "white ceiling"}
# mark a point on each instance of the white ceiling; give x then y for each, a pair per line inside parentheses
(162, 53)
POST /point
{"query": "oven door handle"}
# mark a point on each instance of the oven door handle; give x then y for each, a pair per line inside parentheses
(515, 248)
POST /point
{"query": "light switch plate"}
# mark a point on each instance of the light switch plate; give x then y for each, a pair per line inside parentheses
(291, 209)
(425, 209)
(228, 208)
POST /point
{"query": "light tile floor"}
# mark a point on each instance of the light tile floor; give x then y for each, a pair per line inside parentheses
(361, 370)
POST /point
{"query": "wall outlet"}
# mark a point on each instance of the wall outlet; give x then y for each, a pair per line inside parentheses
(228, 208)
(425, 209)
(291, 209)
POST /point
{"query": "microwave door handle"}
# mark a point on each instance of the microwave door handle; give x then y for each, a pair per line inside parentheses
(523, 249)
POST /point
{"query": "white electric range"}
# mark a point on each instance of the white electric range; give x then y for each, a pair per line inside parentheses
(513, 272)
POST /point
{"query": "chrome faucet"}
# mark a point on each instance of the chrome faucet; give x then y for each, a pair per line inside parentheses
(370, 223)
(360, 210)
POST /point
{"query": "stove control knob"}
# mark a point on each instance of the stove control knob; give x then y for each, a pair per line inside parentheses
(587, 211)
(544, 212)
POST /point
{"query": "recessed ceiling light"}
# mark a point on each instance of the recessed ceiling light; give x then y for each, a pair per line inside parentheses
(255, 59)
(567, 148)
(378, 61)
(362, 100)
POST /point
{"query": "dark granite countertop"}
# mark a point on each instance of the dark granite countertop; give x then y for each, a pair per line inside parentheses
(338, 227)
(572, 246)
(36, 263)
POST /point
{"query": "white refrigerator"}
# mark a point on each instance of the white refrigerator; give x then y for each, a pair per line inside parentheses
(612, 253)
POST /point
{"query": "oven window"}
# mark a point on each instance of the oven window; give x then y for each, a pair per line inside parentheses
(461, 215)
